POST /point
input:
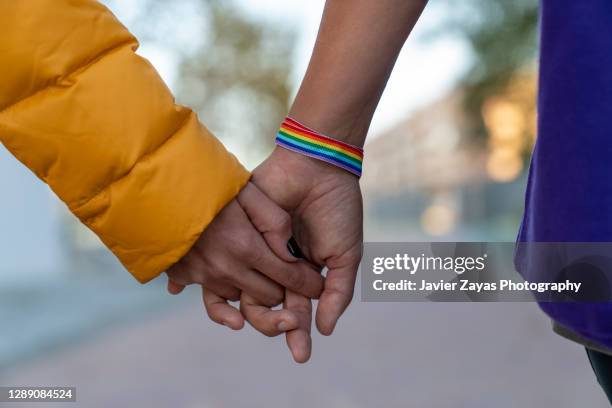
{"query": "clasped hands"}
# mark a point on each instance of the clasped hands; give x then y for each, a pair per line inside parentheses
(243, 255)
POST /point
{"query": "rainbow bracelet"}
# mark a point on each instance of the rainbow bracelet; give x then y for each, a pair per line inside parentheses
(301, 139)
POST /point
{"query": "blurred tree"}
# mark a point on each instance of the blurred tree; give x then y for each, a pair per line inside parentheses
(239, 81)
(499, 89)
(503, 36)
(234, 71)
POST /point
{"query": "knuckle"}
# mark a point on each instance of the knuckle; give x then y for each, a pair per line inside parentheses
(244, 247)
(296, 280)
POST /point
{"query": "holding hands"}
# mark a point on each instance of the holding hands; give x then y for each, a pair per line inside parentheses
(305, 189)
(245, 250)
(243, 254)
(149, 192)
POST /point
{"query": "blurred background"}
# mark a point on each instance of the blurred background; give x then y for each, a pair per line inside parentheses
(446, 160)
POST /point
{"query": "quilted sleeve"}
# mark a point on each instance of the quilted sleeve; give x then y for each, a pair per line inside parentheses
(96, 122)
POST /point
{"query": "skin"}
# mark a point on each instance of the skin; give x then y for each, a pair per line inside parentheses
(244, 251)
(325, 205)
(357, 46)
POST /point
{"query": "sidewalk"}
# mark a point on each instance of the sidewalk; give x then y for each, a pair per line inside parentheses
(393, 355)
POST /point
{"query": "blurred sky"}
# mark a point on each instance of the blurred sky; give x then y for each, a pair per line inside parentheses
(425, 70)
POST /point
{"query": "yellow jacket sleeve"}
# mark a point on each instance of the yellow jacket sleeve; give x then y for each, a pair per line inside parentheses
(95, 121)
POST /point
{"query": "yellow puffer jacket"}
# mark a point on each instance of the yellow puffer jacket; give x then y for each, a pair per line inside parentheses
(95, 121)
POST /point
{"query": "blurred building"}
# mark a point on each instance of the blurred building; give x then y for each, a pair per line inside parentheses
(431, 172)
(427, 152)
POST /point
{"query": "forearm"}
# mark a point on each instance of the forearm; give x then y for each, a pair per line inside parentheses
(356, 48)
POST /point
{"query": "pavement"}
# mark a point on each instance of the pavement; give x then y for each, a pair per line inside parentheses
(431, 355)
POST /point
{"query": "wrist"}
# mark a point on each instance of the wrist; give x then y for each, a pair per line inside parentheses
(307, 169)
(297, 137)
(289, 177)
(346, 127)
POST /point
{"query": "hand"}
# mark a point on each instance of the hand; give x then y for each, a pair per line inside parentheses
(238, 252)
(326, 209)
(294, 320)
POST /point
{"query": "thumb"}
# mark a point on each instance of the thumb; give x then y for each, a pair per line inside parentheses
(270, 220)
(178, 278)
(338, 291)
(174, 288)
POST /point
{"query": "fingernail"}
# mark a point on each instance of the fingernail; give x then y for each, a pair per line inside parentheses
(294, 248)
(282, 326)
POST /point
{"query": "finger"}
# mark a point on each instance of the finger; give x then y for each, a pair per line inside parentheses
(220, 311)
(297, 276)
(254, 251)
(269, 219)
(265, 320)
(257, 285)
(337, 295)
(174, 288)
(224, 290)
(299, 339)
(183, 272)
(192, 269)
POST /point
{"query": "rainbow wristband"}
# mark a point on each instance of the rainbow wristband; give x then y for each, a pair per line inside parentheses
(301, 139)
